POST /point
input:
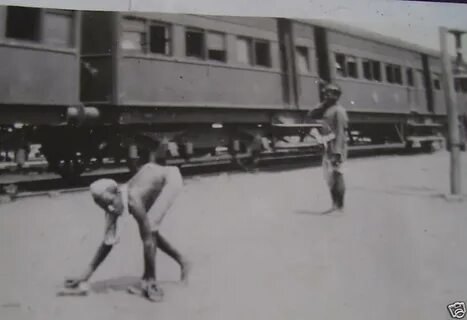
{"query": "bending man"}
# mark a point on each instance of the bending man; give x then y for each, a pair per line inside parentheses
(147, 196)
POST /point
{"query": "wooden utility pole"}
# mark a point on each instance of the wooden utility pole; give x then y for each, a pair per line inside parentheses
(453, 114)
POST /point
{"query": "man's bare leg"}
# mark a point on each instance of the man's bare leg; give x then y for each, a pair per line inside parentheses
(170, 250)
(338, 190)
(149, 286)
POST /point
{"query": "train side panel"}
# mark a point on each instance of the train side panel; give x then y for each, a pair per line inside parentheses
(439, 102)
(207, 61)
(375, 77)
(39, 62)
(37, 77)
(306, 65)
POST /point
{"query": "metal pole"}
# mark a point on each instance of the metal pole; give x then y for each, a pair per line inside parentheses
(453, 118)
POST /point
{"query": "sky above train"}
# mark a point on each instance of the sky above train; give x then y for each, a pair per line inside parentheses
(412, 21)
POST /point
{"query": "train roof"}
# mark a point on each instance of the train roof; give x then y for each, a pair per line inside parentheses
(370, 35)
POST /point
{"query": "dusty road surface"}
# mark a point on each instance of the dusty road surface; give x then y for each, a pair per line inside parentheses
(260, 249)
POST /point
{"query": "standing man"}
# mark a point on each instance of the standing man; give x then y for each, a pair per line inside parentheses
(147, 196)
(333, 137)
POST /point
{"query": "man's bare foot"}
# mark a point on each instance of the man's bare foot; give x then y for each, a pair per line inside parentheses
(330, 210)
(81, 289)
(153, 292)
(135, 290)
(147, 289)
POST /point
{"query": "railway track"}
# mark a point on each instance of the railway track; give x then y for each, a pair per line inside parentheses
(37, 183)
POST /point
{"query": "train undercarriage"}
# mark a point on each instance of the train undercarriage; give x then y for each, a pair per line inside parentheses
(193, 135)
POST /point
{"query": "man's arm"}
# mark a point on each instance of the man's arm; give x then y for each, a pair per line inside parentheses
(315, 113)
(340, 134)
(110, 239)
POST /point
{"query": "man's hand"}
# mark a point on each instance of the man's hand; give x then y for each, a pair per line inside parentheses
(73, 283)
(317, 136)
(336, 159)
(75, 287)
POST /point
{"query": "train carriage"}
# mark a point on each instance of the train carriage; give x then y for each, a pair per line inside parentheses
(39, 77)
(391, 89)
(151, 86)
(218, 80)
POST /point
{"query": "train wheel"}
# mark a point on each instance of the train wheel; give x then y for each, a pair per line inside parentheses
(408, 146)
(250, 163)
(253, 151)
(428, 147)
(70, 170)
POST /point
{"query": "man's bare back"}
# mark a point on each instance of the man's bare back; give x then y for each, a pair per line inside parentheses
(148, 183)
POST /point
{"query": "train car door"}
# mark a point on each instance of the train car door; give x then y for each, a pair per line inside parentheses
(322, 56)
(413, 100)
(428, 84)
(288, 67)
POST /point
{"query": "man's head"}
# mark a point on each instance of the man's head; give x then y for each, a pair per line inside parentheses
(332, 93)
(107, 195)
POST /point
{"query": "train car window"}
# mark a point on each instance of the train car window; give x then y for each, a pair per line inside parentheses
(216, 46)
(436, 81)
(133, 35)
(389, 73)
(159, 39)
(421, 79)
(340, 65)
(58, 28)
(397, 74)
(460, 85)
(262, 53)
(352, 70)
(23, 23)
(303, 63)
(367, 73)
(463, 85)
(409, 74)
(244, 50)
(371, 70)
(376, 69)
(194, 41)
(393, 73)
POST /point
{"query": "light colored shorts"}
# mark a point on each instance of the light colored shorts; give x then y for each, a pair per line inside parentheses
(329, 169)
(166, 198)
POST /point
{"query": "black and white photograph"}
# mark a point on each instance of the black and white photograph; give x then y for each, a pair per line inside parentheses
(300, 160)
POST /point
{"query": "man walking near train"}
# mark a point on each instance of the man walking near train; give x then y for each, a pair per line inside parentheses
(147, 196)
(333, 137)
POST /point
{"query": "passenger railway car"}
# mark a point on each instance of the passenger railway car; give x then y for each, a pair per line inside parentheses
(148, 86)
(39, 73)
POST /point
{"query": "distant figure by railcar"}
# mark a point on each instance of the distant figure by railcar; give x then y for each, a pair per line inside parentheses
(333, 136)
(148, 197)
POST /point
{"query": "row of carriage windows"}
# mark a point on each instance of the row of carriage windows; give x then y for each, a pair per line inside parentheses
(50, 27)
(144, 36)
(347, 67)
(55, 28)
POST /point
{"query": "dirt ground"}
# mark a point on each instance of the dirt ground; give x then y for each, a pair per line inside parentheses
(259, 246)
